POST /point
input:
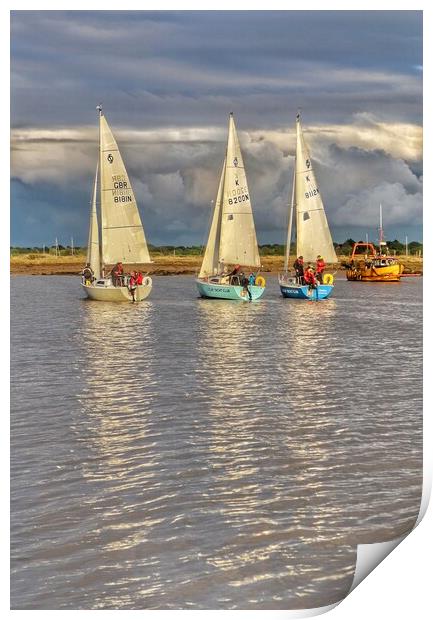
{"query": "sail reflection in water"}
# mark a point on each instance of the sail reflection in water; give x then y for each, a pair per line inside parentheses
(115, 427)
(260, 460)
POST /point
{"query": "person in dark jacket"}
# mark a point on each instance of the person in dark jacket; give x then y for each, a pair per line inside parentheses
(298, 266)
(245, 283)
(87, 274)
(132, 285)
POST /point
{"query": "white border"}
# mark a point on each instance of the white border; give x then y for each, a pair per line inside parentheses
(400, 587)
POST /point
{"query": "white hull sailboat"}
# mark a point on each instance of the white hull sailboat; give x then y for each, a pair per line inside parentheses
(122, 235)
(232, 243)
(313, 236)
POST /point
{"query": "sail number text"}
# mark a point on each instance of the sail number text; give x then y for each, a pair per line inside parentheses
(121, 192)
(237, 195)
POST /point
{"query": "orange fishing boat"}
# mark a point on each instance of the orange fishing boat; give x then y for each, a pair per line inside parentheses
(372, 266)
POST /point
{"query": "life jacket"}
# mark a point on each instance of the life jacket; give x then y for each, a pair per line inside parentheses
(139, 278)
(309, 277)
(320, 265)
(132, 282)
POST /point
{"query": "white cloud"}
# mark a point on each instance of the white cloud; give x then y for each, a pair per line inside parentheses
(399, 206)
(175, 171)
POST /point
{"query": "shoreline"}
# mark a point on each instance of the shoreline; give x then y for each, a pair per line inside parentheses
(33, 264)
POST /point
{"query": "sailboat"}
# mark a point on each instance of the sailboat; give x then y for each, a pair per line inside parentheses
(232, 243)
(370, 265)
(313, 236)
(122, 235)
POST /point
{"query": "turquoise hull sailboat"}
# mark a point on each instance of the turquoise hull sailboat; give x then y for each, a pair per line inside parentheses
(217, 290)
(232, 243)
(313, 236)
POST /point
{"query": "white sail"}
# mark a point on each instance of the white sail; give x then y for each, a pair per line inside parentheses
(122, 231)
(238, 242)
(312, 231)
(93, 251)
(209, 265)
(289, 228)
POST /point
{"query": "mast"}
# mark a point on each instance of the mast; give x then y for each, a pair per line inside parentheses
(289, 229)
(93, 253)
(380, 226)
(382, 242)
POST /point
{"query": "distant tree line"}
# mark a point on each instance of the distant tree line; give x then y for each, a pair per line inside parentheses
(61, 250)
(269, 249)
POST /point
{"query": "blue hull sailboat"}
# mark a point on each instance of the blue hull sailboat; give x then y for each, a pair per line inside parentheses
(313, 237)
(290, 288)
(232, 243)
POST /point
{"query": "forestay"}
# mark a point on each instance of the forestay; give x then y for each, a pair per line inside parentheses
(312, 230)
(93, 250)
(122, 231)
(209, 265)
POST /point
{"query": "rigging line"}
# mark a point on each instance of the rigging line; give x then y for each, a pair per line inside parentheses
(116, 227)
(311, 210)
(206, 233)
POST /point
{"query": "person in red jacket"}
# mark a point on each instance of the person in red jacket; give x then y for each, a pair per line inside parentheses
(139, 278)
(320, 268)
(310, 278)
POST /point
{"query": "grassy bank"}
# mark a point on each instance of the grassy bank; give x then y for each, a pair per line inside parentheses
(48, 264)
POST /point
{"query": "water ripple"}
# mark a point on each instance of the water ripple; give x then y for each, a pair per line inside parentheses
(193, 454)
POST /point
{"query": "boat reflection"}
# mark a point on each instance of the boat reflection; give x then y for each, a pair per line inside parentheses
(117, 383)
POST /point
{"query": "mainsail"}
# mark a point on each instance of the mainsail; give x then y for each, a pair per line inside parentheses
(232, 237)
(93, 252)
(122, 231)
(312, 231)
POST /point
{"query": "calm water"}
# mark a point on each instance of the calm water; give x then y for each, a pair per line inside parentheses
(187, 453)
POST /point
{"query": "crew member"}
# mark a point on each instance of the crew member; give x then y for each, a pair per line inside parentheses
(117, 274)
(298, 266)
(309, 277)
(132, 285)
(320, 268)
(87, 274)
(245, 283)
(139, 278)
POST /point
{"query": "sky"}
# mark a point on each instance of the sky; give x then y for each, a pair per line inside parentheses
(167, 81)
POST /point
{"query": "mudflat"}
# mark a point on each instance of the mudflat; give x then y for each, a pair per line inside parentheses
(46, 264)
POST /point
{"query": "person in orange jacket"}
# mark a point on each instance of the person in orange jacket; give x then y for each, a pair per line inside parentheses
(320, 268)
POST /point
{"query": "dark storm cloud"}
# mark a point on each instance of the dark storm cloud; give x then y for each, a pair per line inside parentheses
(168, 81)
(192, 66)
